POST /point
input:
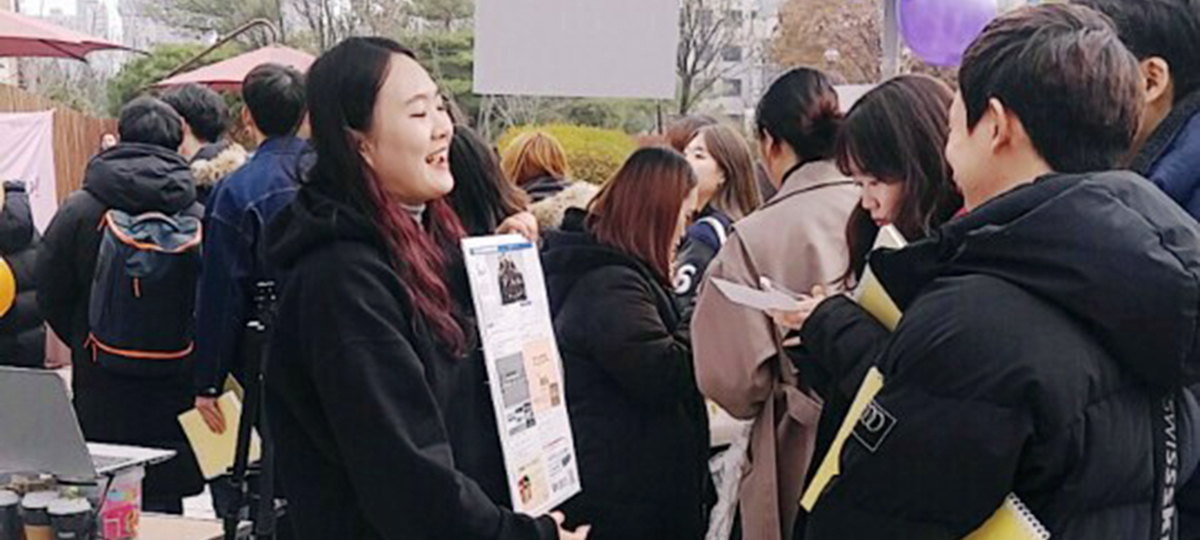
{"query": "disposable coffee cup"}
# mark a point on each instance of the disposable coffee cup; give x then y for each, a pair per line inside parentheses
(35, 512)
(72, 519)
(10, 517)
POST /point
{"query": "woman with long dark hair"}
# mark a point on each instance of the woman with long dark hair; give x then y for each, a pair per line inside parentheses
(892, 144)
(482, 197)
(641, 431)
(383, 424)
(795, 241)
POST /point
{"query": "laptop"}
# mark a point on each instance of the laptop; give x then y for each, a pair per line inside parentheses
(39, 432)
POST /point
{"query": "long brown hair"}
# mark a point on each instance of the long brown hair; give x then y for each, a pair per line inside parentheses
(533, 155)
(343, 87)
(897, 133)
(738, 196)
(637, 211)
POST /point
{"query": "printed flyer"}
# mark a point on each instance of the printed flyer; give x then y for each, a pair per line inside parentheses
(524, 371)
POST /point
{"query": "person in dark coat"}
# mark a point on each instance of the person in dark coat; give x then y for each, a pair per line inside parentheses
(22, 330)
(211, 155)
(639, 421)
(382, 417)
(1049, 335)
(893, 144)
(143, 173)
(1165, 36)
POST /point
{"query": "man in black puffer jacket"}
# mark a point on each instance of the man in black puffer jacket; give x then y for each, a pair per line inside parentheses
(22, 332)
(1050, 335)
(144, 173)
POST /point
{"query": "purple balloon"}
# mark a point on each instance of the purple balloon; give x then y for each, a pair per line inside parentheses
(939, 31)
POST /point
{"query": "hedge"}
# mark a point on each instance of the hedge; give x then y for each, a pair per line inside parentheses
(593, 154)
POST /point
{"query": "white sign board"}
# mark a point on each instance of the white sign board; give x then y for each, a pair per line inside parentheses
(524, 371)
(586, 48)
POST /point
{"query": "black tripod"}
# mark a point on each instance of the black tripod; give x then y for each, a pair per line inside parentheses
(264, 513)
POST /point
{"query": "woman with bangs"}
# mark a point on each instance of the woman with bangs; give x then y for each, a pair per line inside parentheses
(892, 144)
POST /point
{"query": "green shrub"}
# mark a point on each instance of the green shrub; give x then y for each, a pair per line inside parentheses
(593, 154)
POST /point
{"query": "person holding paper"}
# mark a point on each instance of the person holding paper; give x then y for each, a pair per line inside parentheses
(639, 422)
(796, 240)
(382, 417)
(1049, 335)
(892, 144)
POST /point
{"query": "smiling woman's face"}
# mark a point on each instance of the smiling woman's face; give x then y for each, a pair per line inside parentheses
(408, 146)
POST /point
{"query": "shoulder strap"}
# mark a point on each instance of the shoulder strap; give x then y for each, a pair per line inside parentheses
(783, 366)
(717, 227)
(1165, 518)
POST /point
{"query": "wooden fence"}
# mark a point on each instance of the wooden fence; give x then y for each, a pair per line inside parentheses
(76, 135)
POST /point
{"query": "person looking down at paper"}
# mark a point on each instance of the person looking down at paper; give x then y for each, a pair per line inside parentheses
(639, 421)
(893, 145)
(1049, 336)
(796, 241)
(378, 403)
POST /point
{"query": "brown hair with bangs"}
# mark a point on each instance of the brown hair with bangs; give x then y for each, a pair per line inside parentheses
(637, 211)
(897, 134)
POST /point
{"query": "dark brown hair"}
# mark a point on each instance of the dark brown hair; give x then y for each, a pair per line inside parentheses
(738, 196)
(801, 109)
(1062, 70)
(637, 211)
(897, 134)
(482, 197)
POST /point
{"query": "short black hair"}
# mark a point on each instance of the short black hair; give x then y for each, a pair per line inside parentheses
(203, 110)
(801, 108)
(148, 120)
(274, 93)
(1168, 29)
(1063, 71)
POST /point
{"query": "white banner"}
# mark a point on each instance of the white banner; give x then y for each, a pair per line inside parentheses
(586, 48)
(28, 156)
(525, 371)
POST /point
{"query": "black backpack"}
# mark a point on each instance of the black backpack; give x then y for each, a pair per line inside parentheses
(144, 292)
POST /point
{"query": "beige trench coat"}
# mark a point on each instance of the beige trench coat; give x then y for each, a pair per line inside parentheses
(797, 240)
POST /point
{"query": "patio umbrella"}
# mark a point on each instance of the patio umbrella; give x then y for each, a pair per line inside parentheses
(228, 74)
(23, 36)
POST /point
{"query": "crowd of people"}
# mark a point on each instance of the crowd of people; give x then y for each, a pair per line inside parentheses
(1050, 288)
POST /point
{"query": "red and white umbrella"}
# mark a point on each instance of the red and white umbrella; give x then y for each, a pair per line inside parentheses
(228, 74)
(22, 36)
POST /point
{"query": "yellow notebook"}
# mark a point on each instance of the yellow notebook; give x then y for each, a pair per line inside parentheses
(1012, 521)
(215, 452)
(870, 293)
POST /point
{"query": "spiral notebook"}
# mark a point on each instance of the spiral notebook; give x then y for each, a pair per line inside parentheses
(1012, 520)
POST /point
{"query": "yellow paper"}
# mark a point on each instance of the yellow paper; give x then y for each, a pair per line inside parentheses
(1013, 521)
(870, 293)
(871, 385)
(232, 385)
(215, 452)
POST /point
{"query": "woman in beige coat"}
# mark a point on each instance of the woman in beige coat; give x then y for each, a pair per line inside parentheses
(797, 240)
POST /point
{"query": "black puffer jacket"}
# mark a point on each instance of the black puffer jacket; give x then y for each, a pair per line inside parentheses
(135, 178)
(381, 434)
(22, 330)
(1040, 333)
(640, 428)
